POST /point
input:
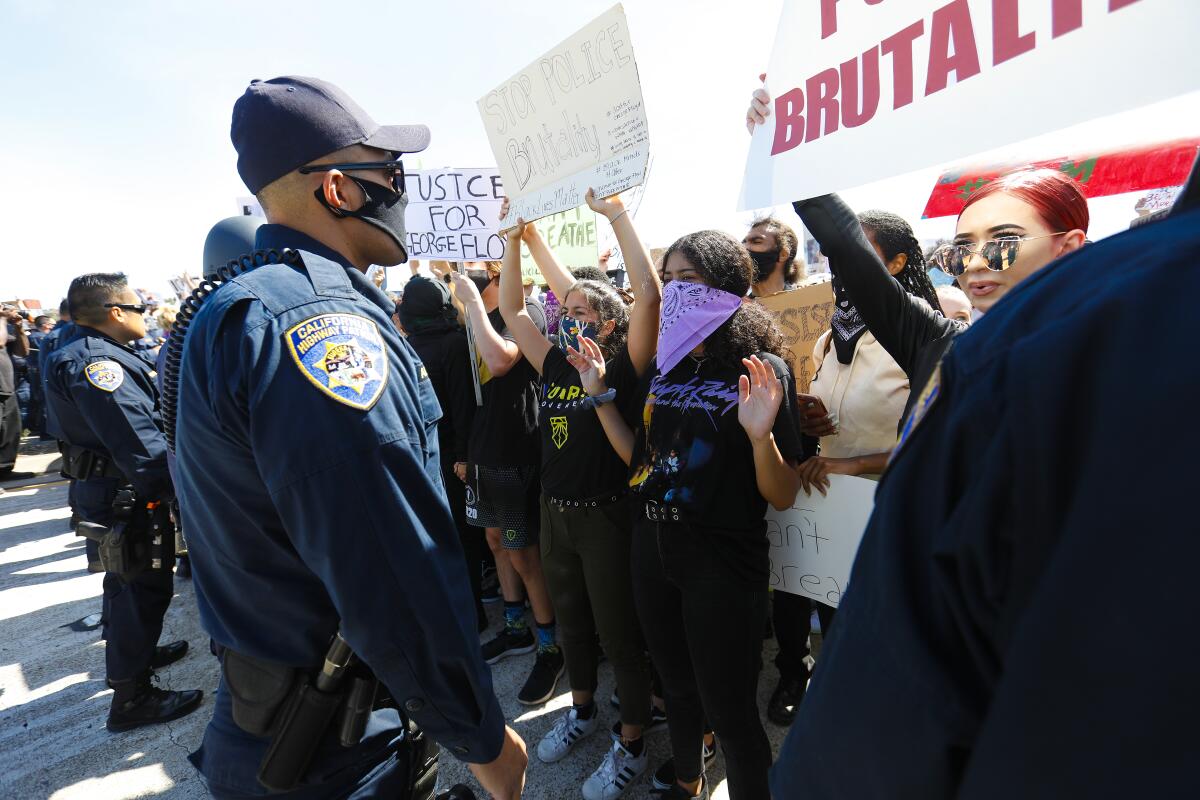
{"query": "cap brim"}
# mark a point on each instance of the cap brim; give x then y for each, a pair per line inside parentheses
(400, 138)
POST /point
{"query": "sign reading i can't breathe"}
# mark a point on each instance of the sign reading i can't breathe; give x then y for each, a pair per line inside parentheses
(867, 89)
(570, 121)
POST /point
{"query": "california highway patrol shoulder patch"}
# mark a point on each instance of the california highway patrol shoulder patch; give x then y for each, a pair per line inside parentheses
(343, 355)
(104, 375)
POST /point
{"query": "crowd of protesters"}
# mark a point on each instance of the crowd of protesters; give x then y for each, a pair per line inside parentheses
(609, 452)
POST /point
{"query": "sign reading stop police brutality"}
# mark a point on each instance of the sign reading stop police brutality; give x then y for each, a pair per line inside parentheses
(570, 121)
(867, 89)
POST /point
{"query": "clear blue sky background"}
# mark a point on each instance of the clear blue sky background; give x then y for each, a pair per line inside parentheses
(115, 120)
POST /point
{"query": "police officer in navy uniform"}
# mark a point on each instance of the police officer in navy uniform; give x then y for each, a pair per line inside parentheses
(310, 480)
(994, 640)
(103, 403)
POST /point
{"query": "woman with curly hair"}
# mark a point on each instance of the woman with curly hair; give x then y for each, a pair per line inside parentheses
(716, 443)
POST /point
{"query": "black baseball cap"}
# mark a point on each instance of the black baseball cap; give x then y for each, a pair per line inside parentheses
(284, 123)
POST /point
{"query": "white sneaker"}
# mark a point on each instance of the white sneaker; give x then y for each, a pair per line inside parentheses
(568, 730)
(616, 772)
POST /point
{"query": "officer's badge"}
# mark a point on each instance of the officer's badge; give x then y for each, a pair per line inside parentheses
(925, 400)
(104, 375)
(343, 355)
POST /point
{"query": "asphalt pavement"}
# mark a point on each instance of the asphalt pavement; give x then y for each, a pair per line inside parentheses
(53, 700)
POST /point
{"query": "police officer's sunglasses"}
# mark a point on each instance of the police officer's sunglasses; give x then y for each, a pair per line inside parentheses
(999, 253)
(128, 307)
(392, 170)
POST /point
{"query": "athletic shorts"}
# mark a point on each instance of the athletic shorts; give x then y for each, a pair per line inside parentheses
(505, 498)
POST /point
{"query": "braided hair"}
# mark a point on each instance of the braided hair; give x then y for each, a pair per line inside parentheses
(894, 236)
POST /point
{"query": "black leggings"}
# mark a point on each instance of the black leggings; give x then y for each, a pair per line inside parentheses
(703, 625)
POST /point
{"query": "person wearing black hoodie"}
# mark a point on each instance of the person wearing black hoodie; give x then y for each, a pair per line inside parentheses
(429, 319)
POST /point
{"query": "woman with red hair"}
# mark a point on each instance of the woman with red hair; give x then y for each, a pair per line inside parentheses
(1008, 230)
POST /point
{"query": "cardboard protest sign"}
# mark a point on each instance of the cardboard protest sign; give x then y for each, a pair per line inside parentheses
(851, 80)
(571, 235)
(1099, 174)
(453, 214)
(802, 315)
(570, 121)
(814, 542)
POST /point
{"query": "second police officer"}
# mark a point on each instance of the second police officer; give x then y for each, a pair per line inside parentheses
(309, 473)
(102, 402)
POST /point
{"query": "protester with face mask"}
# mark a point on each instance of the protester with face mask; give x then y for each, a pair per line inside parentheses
(585, 511)
(774, 247)
(502, 480)
(702, 476)
(430, 322)
(310, 477)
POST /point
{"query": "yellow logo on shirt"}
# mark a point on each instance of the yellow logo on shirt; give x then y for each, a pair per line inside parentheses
(558, 431)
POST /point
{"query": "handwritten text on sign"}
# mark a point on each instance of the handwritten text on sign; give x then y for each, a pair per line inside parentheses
(802, 316)
(851, 78)
(570, 121)
(813, 543)
(453, 214)
(571, 236)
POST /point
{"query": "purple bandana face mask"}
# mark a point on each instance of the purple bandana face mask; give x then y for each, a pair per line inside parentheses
(690, 312)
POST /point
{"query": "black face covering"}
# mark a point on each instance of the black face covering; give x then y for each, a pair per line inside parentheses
(764, 264)
(384, 210)
(481, 281)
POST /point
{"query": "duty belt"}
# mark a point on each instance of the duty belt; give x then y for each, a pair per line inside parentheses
(562, 504)
(83, 464)
(661, 512)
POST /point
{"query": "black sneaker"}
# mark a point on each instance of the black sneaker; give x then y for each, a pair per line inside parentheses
(785, 700)
(140, 702)
(658, 722)
(664, 776)
(676, 792)
(509, 642)
(168, 654)
(547, 669)
(490, 586)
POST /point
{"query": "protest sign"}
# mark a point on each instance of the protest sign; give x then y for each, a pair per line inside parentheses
(814, 542)
(802, 315)
(570, 121)
(571, 235)
(851, 80)
(453, 214)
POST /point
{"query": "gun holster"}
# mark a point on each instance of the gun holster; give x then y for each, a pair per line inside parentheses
(141, 537)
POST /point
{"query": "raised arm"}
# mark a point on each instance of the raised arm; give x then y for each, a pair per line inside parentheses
(498, 353)
(532, 343)
(647, 290)
(589, 360)
(901, 322)
(558, 277)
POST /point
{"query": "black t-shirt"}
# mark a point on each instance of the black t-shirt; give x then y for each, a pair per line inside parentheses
(504, 430)
(578, 463)
(691, 451)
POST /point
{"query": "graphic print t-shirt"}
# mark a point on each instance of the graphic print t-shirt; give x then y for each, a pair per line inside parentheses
(504, 430)
(691, 452)
(578, 463)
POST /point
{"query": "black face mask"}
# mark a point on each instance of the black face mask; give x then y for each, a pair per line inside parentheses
(481, 281)
(384, 210)
(764, 264)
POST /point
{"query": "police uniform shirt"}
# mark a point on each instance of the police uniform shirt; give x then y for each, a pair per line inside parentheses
(311, 492)
(1021, 613)
(102, 396)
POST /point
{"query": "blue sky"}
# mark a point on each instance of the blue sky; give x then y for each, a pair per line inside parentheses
(115, 125)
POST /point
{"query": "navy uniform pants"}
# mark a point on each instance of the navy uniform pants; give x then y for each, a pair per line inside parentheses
(133, 610)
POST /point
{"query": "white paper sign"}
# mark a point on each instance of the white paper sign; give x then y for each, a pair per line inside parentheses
(453, 214)
(865, 90)
(570, 121)
(814, 542)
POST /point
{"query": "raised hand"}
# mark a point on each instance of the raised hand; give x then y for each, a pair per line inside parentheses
(589, 360)
(610, 207)
(760, 394)
(760, 107)
(464, 288)
(517, 233)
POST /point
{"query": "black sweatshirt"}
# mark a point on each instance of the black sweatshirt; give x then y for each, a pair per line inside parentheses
(912, 332)
(447, 359)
